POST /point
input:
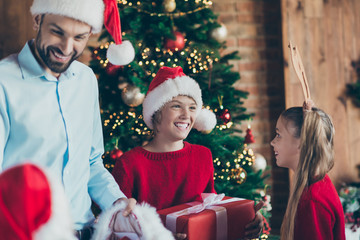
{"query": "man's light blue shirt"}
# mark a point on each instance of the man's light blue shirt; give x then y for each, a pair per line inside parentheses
(56, 123)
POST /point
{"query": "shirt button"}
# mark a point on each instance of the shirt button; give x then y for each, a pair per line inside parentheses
(66, 172)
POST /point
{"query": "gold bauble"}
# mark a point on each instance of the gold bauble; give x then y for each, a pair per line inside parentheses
(238, 174)
(169, 5)
(132, 96)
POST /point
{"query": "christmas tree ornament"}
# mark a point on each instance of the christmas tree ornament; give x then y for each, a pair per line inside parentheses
(122, 85)
(169, 5)
(175, 45)
(259, 163)
(238, 174)
(249, 138)
(112, 69)
(132, 96)
(224, 115)
(220, 33)
(116, 154)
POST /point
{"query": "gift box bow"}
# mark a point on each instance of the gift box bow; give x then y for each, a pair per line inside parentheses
(210, 201)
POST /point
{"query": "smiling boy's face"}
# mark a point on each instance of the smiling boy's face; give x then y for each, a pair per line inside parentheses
(60, 40)
(286, 146)
(177, 118)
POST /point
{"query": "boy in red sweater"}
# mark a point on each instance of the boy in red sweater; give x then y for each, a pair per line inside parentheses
(169, 171)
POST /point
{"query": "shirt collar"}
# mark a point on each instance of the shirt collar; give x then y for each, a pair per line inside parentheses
(31, 68)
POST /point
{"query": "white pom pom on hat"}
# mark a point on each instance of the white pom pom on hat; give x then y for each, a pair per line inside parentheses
(122, 52)
(95, 13)
(169, 83)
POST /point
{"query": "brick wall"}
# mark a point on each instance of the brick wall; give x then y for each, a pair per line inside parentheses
(254, 29)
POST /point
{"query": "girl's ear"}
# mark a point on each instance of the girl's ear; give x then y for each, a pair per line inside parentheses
(36, 22)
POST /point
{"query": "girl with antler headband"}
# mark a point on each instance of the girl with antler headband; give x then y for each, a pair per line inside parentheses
(304, 142)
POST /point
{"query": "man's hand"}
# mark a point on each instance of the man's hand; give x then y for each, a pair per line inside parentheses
(253, 229)
(131, 202)
(124, 220)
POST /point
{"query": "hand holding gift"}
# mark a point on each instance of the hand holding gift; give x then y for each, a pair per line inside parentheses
(254, 228)
(142, 223)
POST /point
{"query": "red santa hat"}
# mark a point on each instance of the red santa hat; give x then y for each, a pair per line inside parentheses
(33, 206)
(143, 223)
(95, 13)
(169, 83)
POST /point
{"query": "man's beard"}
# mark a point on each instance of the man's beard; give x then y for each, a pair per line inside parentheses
(56, 67)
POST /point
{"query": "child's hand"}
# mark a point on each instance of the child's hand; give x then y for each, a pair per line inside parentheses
(180, 236)
(253, 229)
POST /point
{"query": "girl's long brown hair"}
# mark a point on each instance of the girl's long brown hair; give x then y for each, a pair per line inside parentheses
(316, 133)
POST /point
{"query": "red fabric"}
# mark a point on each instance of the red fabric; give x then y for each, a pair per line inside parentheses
(25, 202)
(201, 226)
(165, 179)
(320, 214)
(164, 74)
(112, 20)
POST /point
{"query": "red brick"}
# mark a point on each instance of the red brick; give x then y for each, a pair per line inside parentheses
(250, 7)
(227, 18)
(231, 41)
(252, 66)
(251, 42)
(224, 6)
(250, 18)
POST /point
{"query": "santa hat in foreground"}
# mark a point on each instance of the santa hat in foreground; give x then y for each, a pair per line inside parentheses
(95, 13)
(143, 223)
(33, 206)
(169, 83)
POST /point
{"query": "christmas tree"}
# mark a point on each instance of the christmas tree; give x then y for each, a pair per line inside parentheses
(187, 34)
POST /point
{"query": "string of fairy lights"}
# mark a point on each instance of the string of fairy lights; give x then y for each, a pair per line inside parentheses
(195, 60)
(233, 170)
(138, 6)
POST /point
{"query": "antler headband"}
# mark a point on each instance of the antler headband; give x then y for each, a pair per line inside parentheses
(300, 72)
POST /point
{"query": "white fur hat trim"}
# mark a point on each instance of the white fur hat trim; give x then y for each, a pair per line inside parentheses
(164, 93)
(149, 221)
(87, 11)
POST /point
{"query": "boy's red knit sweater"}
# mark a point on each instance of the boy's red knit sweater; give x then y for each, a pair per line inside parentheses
(165, 179)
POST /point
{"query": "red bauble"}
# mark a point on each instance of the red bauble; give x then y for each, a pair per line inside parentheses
(111, 69)
(116, 154)
(249, 138)
(224, 115)
(175, 45)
